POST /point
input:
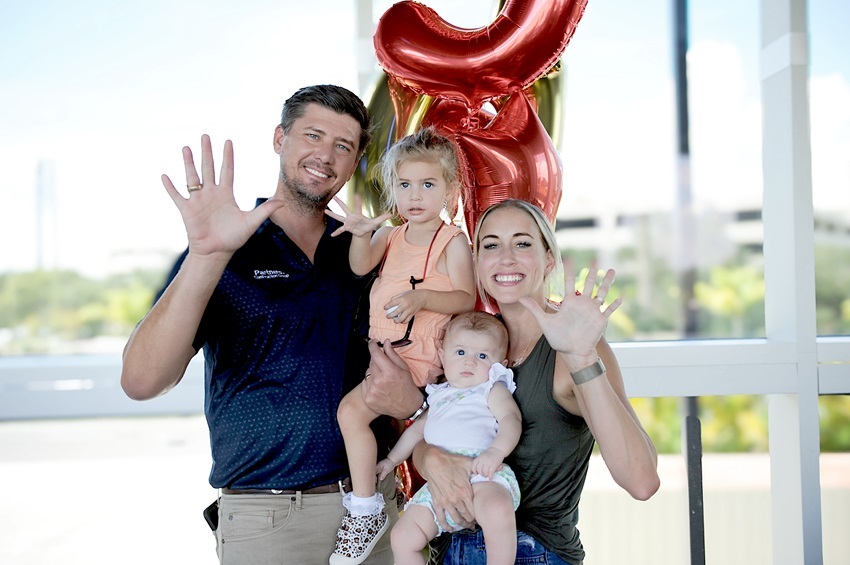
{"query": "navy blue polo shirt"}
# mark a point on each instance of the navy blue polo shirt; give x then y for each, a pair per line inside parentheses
(278, 336)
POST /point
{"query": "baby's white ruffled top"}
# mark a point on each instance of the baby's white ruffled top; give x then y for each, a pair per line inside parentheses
(459, 418)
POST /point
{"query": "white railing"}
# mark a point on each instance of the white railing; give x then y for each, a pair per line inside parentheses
(88, 385)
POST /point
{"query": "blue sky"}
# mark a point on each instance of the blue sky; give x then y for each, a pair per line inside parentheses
(108, 93)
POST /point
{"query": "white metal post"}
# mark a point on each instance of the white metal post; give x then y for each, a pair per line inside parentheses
(789, 280)
(363, 43)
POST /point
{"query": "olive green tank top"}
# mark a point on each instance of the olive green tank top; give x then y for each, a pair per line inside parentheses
(551, 458)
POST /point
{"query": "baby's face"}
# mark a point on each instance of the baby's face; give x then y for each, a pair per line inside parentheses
(467, 357)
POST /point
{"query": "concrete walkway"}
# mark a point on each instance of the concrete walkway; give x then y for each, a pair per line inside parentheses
(124, 490)
(131, 491)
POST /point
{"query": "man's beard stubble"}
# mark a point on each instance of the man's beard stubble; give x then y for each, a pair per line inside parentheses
(302, 198)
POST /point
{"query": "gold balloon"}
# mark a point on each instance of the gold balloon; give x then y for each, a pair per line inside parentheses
(546, 94)
(365, 182)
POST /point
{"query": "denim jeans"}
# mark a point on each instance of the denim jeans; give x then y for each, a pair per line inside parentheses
(468, 549)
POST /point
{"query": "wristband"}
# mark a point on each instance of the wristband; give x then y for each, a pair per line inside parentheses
(419, 412)
(588, 373)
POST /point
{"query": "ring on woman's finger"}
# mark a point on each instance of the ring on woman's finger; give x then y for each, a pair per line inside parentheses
(395, 317)
(194, 187)
(599, 300)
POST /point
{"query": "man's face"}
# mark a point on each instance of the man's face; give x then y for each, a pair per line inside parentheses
(317, 156)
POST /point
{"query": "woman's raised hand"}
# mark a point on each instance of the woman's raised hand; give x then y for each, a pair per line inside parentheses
(353, 220)
(577, 326)
(214, 223)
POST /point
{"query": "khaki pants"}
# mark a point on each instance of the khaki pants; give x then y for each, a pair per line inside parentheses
(290, 529)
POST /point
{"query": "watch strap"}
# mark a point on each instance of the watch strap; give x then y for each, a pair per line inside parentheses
(589, 373)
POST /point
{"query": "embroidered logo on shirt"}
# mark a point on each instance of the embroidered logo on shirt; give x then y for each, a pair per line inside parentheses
(270, 274)
(455, 396)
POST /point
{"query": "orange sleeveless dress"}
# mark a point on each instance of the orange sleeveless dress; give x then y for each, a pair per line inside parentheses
(402, 261)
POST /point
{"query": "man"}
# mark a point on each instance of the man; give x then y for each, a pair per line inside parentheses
(270, 297)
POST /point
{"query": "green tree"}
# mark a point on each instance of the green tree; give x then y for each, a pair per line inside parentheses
(42, 309)
(834, 423)
(832, 279)
(730, 294)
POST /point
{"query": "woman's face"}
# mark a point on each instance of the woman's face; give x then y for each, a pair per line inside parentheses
(512, 257)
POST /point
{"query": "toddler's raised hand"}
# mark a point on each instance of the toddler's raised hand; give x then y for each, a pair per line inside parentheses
(354, 221)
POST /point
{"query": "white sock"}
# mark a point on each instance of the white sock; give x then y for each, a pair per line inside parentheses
(364, 506)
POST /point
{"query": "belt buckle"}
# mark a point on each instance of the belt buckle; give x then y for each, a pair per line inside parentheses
(276, 491)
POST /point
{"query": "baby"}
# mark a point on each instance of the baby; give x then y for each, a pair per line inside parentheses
(473, 413)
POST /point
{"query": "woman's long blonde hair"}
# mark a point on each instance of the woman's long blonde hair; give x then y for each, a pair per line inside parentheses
(553, 282)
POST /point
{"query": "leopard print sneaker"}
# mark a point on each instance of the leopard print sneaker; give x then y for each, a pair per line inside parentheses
(357, 536)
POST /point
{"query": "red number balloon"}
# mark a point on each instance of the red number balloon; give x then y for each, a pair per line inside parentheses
(504, 155)
(430, 56)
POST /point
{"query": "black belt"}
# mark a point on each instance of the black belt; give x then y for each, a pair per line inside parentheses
(339, 486)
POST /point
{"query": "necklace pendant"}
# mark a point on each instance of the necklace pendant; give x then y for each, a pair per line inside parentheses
(525, 352)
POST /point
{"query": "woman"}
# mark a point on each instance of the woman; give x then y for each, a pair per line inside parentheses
(569, 389)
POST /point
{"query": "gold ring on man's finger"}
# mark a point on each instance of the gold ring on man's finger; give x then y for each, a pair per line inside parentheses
(194, 187)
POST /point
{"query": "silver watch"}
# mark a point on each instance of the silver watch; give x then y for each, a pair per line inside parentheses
(419, 412)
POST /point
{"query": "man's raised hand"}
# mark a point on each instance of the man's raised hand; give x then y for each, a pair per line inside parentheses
(214, 223)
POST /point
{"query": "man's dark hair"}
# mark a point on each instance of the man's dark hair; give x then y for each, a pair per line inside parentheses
(336, 98)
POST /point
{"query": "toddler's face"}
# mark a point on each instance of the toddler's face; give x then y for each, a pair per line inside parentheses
(467, 356)
(421, 190)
